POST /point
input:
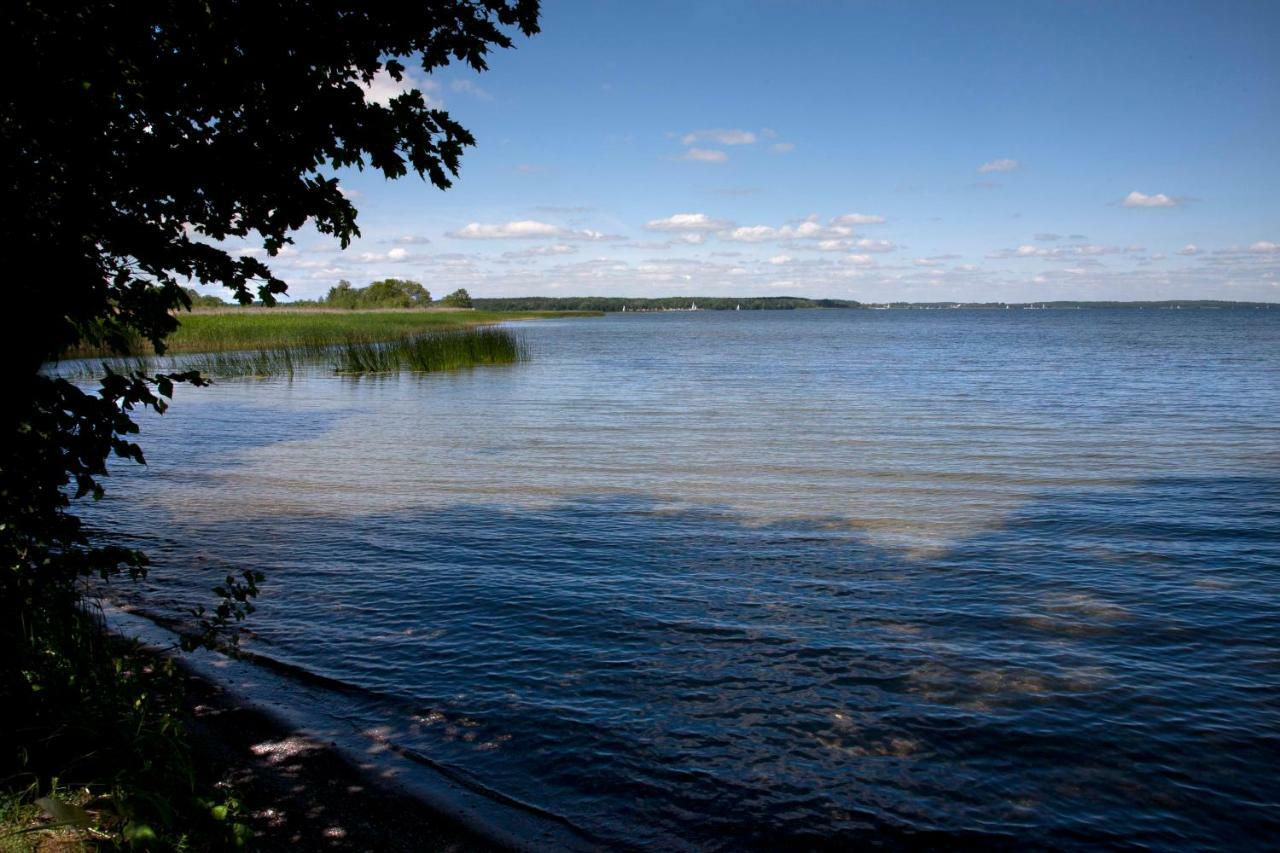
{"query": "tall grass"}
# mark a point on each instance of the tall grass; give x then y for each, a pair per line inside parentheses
(432, 351)
(232, 329)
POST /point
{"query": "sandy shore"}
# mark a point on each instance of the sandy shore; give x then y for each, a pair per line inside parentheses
(301, 794)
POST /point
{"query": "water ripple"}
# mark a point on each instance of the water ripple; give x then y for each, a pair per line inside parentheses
(725, 582)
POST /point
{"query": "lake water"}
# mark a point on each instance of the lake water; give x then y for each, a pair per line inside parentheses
(777, 579)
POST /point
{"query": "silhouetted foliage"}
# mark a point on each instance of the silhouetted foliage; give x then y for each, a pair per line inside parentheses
(388, 293)
(458, 299)
(139, 137)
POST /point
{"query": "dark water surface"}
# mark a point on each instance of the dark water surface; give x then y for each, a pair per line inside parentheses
(767, 579)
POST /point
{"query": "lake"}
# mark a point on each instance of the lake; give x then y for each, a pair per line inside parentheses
(716, 580)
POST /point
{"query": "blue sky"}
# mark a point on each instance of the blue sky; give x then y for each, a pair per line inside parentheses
(872, 151)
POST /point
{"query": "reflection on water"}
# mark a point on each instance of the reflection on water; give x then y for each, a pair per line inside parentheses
(726, 580)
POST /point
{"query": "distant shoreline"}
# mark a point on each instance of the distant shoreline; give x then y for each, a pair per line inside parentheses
(619, 304)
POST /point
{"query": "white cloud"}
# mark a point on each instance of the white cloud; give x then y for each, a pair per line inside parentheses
(1189, 249)
(412, 239)
(470, 88)
(1001, 165)
(1265, 246)
(541, 251)
(834, 245)
(875, 245)
(687, 222)
(782, 147)
(382, 88)
(752, 234)
(809, 229)
(519, 229)
(1085, 250)
(524, 229)
(394, 256)
(859, 260)
(704, 155)
(1027, 251)
(779, 260)
(858, 219)
(1137, 199)
(722, 137)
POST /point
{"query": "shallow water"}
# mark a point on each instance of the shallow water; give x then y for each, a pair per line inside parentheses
(714, 580)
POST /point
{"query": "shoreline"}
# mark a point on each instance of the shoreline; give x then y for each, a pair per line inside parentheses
(297, 791)
(309, 775)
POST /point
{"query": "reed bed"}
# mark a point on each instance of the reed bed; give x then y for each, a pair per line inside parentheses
(449, 349)
(434, 351)
(243, 329)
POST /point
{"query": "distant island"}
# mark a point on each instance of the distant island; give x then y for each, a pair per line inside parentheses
(788, 303)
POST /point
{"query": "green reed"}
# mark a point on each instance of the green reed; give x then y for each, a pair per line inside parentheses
(244, 329)
(433, 351)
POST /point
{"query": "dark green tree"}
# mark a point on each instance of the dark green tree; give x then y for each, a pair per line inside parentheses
(458, 299)
(388, 293)
(135, 137)
(202, 300)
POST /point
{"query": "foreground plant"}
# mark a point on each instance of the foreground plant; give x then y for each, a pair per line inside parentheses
(140, 137)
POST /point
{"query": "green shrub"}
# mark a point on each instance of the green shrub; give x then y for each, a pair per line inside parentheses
(458, 299)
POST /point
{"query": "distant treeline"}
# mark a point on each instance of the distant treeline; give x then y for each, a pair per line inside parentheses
(1166, 303)
(402, 293)
(387, 293)
(774, 303)
(666, 303)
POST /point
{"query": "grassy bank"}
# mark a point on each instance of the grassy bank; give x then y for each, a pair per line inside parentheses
(99, 756)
